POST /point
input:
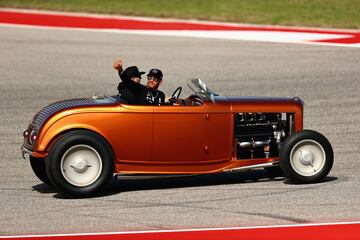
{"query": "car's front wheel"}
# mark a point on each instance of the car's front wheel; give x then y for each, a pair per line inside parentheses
(38, 167)
(80, 163)
(306, 157)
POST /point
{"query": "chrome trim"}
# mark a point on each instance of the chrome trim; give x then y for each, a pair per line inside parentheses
(262, 165)
(25, 151)
(254, 144)
(298, 99)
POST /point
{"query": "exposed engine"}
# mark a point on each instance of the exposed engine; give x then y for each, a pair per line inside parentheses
(258, 135)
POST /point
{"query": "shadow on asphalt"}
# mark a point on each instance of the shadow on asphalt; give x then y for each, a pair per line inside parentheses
(152, 182)
(124, 185)
(253, 176)
(44, 188)
(326, 179)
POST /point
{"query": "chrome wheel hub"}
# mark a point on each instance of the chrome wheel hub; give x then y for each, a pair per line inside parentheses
(306, 157)
(80, 165)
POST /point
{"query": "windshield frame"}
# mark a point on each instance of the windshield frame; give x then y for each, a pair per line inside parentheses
(199, 87)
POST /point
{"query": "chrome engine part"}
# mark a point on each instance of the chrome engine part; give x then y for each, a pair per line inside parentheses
(258, 135)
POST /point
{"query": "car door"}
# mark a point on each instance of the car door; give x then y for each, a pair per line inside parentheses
(179, 135)
(131, 133)
(218, 136)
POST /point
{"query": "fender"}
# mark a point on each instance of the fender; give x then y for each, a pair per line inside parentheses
(59, 125)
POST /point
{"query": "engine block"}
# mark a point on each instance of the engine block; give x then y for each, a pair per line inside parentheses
(258, 135)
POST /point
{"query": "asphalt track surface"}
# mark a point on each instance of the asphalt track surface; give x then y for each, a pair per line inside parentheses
(39, 66)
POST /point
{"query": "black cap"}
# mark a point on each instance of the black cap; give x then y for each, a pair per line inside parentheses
(133, 71)
(156, 73)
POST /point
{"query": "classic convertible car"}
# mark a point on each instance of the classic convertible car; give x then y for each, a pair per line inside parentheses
(78, 145)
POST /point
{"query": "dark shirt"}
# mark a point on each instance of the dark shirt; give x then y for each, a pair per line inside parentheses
(138, 94)
(155, 97)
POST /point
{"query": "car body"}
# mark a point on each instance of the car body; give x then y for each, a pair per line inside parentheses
(76, 139)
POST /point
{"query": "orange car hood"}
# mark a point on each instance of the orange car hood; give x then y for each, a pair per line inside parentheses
(264, 104)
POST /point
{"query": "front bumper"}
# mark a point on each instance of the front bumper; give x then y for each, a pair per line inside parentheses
(25, 151)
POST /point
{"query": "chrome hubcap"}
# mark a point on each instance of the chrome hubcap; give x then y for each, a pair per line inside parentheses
(307, 157)
(81, 165)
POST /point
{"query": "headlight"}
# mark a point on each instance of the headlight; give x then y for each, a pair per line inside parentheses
(32, 136)
(26, 133)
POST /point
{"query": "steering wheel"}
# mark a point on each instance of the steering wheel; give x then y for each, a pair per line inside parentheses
(175, 96)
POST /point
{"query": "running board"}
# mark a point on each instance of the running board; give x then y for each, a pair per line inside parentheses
(150, 176)
(262, 165)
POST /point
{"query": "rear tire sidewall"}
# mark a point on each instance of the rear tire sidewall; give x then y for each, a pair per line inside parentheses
(64, 143)
(285, 154)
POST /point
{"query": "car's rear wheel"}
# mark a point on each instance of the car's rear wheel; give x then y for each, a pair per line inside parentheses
(306, 157)
(38, 167)
(80, 163)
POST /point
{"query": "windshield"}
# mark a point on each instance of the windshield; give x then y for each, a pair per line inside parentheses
(199, 87)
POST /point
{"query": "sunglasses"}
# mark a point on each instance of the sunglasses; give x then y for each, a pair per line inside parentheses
(153, 78)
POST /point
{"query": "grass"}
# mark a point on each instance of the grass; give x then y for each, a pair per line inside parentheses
(315, 13)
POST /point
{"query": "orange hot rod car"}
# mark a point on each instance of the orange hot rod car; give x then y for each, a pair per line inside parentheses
(78, 145)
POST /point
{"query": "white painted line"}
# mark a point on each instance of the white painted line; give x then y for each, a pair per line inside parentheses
(259, 36)
(265, 36)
